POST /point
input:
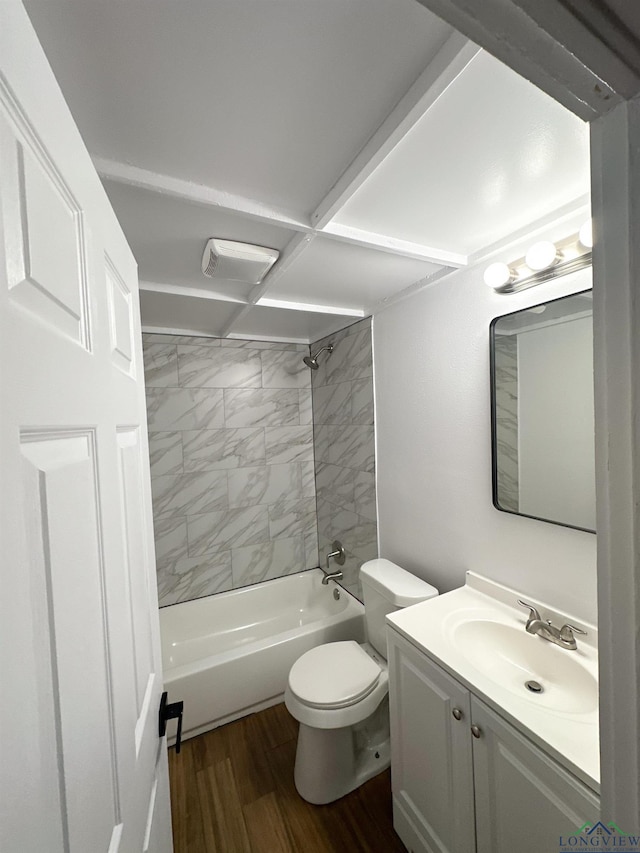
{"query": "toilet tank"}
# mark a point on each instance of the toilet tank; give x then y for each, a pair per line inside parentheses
(387, 587)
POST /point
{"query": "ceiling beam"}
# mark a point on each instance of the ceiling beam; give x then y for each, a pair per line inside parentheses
(189, 290)
(286, 305)
(171, 330)
(276, 339)
(451, 59)
(294, 247)
(401, 295)
(371, 240)
(185, 290)
(550, 45)
(134, 176)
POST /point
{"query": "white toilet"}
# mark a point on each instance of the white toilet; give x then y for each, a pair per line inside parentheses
(338, 692)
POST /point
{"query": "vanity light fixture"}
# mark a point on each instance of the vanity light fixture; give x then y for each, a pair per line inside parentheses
(543, 261)
(585, 235)
(542, 255)
(499, 275)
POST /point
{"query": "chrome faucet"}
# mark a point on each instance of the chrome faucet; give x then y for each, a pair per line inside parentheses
(337, 553)
(562, 637)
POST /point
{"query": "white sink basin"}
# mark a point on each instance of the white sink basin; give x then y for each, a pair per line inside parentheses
(510, 657)
(477, 633)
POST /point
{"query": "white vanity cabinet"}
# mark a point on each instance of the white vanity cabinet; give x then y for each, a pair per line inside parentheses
(456, 792)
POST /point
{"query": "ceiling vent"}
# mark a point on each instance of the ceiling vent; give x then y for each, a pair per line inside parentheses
(231, 261)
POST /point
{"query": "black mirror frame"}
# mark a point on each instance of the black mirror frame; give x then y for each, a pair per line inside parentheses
(494, 448)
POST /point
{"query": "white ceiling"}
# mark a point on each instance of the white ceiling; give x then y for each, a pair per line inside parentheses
(367, 141)
(329, 272)
(236, 94)
(169, 235)
(511, 143)
(187, 314)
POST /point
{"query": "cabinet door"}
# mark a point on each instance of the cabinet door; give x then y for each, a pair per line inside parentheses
(524, 800)
(431, 754)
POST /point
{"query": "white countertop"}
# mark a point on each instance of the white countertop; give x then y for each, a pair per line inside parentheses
(571, 736)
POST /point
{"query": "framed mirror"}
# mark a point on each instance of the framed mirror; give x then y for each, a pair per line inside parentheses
(542, 412)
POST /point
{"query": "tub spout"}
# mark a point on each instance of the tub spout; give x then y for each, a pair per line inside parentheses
(331, 576)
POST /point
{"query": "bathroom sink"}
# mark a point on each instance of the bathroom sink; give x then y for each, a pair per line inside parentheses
(512, 658)
(477, 633)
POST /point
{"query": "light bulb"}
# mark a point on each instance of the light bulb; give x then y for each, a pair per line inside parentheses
(541, 255)
(585, 235)
(498, 275)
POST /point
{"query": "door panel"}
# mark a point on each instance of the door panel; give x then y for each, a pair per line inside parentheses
(133, 520)
(44, 230)
(121, 319)
(59, 483)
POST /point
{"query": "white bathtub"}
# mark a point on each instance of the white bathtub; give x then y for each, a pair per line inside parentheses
(229, 655)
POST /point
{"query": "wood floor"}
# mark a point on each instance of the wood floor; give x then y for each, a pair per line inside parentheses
(232, 791)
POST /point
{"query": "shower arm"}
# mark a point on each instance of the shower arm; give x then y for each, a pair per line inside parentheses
(312, 360)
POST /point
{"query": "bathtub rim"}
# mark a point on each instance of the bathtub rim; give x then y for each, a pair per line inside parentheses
(251, 586)
(353, 607)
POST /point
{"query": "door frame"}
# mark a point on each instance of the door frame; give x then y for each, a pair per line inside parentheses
(591, 65)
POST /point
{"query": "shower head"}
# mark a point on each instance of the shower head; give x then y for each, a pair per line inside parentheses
(312, 360)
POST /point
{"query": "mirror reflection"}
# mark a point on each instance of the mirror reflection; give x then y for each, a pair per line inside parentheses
(542, 412)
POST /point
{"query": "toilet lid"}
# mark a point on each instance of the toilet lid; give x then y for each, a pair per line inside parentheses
(334, 675)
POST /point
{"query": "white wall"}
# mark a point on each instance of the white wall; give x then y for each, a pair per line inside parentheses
(433, 432)
(556, 453)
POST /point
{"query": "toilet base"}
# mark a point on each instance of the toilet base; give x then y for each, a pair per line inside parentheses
(332, 762)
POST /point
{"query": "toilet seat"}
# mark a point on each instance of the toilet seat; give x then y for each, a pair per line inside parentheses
(334, 675)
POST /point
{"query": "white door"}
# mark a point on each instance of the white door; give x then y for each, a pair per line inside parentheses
(82, 768)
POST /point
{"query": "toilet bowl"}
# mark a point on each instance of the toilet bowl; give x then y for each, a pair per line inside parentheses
(338, 692)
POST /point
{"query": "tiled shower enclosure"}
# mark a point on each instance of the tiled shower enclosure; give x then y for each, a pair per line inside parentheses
(231, 444)
(239, 450)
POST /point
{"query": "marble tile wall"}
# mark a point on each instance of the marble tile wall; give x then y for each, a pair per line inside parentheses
(344, 444)
(232, 471)
(506, 369)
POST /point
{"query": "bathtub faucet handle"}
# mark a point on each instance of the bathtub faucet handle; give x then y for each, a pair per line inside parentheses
(337, 553)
